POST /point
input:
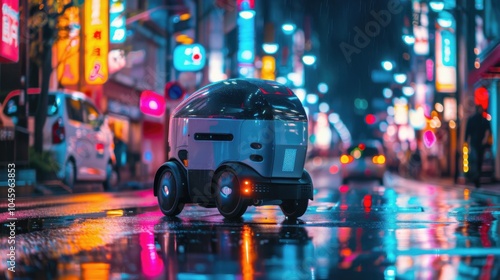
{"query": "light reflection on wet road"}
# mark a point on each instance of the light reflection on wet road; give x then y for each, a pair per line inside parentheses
(364, 231)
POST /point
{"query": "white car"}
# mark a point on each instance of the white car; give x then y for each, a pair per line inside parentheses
(363, 160)
(75, 131)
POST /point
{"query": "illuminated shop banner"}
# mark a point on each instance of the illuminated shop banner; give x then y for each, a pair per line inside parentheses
(246, 40)
(9, 44)
(450, 109)
(268, 68)
(68, 47)
(417, 118)
(96, 41)
(117, 21)
(420, 28)
(401, 113)
(446, 80)
(189, 57)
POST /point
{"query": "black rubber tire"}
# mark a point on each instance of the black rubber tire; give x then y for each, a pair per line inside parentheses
(294, 208)
(70, 174)
(230, 205)
(169, 190)
(111, 181)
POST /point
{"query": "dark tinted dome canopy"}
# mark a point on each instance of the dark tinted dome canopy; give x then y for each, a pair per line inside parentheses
(243, 99)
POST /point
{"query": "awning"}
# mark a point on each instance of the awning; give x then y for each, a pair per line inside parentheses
(489, 69)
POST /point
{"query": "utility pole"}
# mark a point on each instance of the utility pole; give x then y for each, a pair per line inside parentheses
(21, 133)
(23, 98)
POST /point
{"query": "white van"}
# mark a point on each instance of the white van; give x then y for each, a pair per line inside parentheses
(75, 131)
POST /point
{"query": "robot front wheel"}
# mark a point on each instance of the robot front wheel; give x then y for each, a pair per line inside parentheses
(294, 208)
(231, 205)
(228, 197)
(169, 186)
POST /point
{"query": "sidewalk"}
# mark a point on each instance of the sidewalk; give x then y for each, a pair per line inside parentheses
(58, 188)
(485, 189)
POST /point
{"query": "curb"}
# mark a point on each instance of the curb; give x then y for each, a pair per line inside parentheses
(42, 189)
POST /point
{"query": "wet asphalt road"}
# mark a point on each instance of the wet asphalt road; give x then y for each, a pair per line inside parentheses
(402, 230)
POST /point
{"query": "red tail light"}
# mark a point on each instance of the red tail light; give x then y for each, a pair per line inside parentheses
(99, 148)
(345, 159)
(58, 132)
(380, 159)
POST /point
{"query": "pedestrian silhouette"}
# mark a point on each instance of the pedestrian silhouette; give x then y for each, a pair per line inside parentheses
(477, 132)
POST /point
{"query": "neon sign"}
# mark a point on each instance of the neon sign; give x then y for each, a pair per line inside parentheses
(245, 4)
(446, 70)
(448, 48)
(96, 42)
(189, 57)
(117, 20)
(9, 24)
(68, 48)
(151, 103)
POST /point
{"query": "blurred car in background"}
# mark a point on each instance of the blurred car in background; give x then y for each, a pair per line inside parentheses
(75, 132)
(364, 160)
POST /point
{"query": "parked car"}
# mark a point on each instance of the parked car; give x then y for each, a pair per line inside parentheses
(364, 160)
(233, 144)
(75, 132)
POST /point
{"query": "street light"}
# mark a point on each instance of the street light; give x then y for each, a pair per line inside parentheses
(445, 20)
(408, 91)
(436, 6)
(400, 78)
(309, 59)
(248, 14)
(312, 98)
(409, 39)
(387, 65)
(387, 92)
(270, 48)
(324, 107)
(288, 28)
(323, 88)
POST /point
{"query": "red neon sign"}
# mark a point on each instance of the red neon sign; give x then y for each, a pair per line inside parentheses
(9, 26)
(244, 5)
(151, 103)
(481, 97)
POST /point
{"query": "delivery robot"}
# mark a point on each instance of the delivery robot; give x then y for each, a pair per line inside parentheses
(234, 144)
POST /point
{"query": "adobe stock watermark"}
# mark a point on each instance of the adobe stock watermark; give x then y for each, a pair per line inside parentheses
(372, 29)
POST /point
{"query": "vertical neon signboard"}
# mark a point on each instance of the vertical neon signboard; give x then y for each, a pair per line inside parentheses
(96, 41)
(68, 48)
(117, 21)
(9, 26)
(446, 69)
(246, 37)
(420, 28)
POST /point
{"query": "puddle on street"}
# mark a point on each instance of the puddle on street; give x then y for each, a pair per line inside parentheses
(37, 224)
(362, 235)
(192, 248)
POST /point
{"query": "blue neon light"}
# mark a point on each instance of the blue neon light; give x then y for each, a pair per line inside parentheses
(117, 21)
(189, 57)
(246, 40)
